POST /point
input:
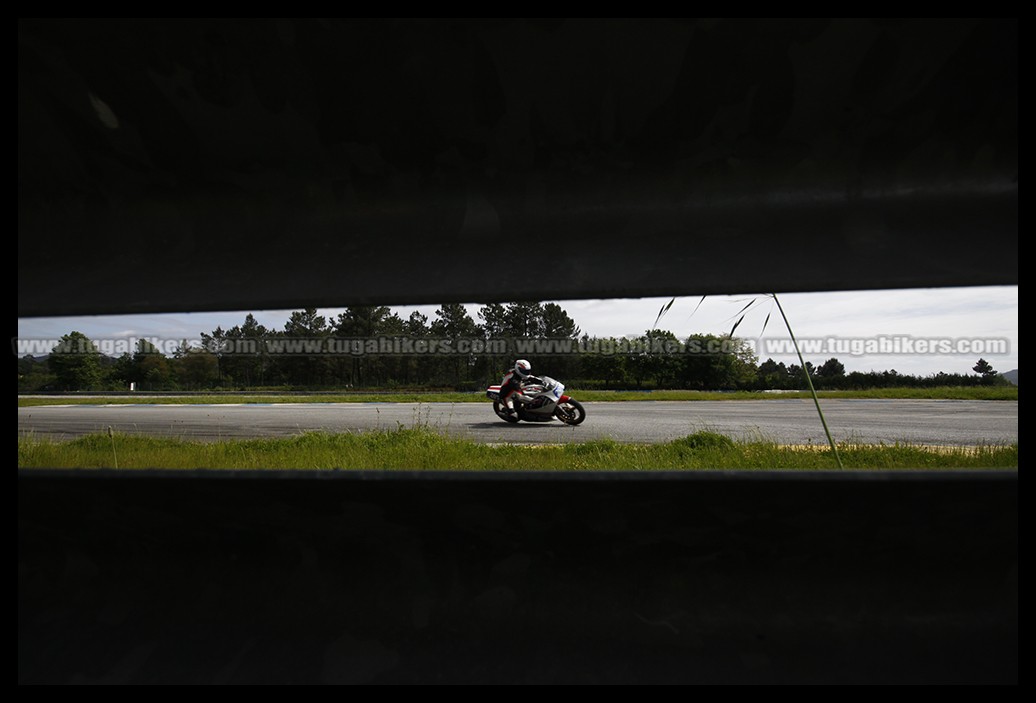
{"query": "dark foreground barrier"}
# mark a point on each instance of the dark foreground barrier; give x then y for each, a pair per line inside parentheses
(228, 577)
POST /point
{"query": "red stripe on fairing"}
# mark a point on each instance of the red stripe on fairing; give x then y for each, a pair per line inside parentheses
(564, 399)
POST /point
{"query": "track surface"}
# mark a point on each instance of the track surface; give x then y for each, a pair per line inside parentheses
(931, 422)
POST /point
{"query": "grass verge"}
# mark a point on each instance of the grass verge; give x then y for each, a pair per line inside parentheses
(421, 448)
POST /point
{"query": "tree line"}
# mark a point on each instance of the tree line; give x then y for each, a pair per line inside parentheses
(252, 356)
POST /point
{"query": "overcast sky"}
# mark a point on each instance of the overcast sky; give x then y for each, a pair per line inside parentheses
(961, 324)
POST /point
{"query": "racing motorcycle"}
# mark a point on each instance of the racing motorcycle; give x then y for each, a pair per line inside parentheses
(547, 401)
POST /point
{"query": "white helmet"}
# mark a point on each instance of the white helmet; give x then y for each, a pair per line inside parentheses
(523, 368)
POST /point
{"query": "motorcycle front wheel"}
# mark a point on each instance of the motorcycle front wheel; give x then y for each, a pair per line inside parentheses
(503, 414)
(570, 413)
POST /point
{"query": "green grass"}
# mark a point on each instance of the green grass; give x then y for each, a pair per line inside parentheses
(421, 448)
(216, 399)
(939, 393)
(943, 393)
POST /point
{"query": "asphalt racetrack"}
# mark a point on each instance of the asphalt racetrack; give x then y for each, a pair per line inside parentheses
(784, 421)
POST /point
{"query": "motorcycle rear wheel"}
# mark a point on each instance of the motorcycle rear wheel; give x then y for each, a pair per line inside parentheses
(570, 413)
(503, 414)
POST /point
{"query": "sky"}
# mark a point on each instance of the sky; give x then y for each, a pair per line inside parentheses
(916, 332)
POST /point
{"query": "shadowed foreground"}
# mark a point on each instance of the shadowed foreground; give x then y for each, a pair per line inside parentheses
(310, 578)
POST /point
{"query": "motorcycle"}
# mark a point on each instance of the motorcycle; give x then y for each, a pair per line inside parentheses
(547, 401)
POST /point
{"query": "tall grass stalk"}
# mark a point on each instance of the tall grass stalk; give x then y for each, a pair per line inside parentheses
(812, 391)
(115, 457)
(805, 371)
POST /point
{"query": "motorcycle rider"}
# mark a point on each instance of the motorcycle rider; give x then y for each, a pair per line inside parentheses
(544, 402)
(512, 383)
